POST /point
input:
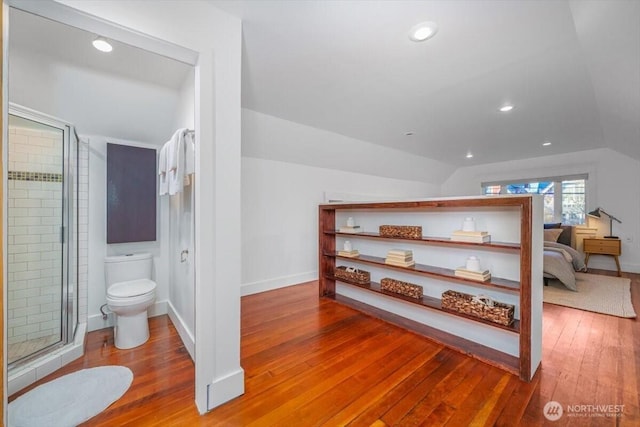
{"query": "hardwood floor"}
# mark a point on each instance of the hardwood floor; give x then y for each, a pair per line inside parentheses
(315, 362)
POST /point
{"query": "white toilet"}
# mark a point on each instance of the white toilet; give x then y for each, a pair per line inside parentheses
(130, 291)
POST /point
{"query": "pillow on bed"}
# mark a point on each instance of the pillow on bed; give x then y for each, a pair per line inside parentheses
(565, 237)
(552, 234)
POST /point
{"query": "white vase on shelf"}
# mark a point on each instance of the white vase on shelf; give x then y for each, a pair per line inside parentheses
(468, 224)
(473, 263)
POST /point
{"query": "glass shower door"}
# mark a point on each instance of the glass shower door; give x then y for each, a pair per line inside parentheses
(38, 226)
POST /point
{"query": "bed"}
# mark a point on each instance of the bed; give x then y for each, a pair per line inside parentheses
(560, 259)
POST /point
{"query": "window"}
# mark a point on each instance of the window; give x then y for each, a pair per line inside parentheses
(564, 197)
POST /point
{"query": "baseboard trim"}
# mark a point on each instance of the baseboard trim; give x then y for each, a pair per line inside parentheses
(95, 321)
(608, 263)
(223, 389)
(278, 282)
(183, 330)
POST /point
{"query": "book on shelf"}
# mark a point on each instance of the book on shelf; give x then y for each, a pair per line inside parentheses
(351, 254)
(482, 276)
(470, 233)
(471, 239)
(400, 252)
(348, 229)
(399, 263)
(400, 258)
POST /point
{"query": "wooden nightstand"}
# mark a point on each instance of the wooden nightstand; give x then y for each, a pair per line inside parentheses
(610, 247)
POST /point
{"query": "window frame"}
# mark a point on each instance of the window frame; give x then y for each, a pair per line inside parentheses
(557, 190)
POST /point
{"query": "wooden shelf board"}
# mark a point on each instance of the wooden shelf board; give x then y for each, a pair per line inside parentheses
(437, 272)
(486, 354)
(433, 240)
(429, 302)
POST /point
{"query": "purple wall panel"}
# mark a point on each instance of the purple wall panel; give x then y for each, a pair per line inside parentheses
(131, 194)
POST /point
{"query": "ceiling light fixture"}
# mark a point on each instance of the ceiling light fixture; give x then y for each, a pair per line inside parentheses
(469, 155)
(506, 108)
(546, 144)
(102, 44)
(409, 133)
(423, 31)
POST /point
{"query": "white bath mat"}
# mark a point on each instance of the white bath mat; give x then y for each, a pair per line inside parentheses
(71, 399)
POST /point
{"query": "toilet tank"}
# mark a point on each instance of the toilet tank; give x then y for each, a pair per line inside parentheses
(123, 268)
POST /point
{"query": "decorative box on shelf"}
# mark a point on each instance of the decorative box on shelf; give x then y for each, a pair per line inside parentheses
(353, 275)
(401, 231)
(481, 307)
(400, 287)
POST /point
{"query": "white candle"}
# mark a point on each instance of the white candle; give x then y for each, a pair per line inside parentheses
(473, 263)
(350, 222)
(347, 246)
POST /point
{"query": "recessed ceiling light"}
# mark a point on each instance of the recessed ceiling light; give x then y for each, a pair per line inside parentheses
(506, 108)
(423, 31)
(469, 155)
(546, 144)
(102, 45)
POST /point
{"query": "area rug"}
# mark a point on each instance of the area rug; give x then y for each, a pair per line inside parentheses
(71, 399)
(600, 294)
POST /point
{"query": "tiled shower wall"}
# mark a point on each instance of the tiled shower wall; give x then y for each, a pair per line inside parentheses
(34, 197)
(83, 231)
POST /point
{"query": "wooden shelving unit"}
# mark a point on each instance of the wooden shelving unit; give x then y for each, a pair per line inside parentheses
(436, 272)
(520, 365)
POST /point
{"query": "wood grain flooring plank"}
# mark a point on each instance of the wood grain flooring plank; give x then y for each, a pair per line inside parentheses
(311, 361)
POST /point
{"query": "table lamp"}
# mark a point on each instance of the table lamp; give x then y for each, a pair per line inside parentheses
(596, 214)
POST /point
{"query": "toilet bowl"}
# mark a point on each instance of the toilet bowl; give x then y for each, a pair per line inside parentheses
(130, 292)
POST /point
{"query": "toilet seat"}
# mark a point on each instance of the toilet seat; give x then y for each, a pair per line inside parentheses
(131, 288)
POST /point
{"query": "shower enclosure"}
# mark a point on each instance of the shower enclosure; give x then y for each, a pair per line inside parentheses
(42, 230)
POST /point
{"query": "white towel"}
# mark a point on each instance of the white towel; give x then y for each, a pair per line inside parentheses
(184, 161)
(190, 157)
(172, 155)
(163, 187)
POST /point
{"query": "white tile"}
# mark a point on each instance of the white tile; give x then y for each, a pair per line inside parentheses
(51, 203)
(26, 275)
(36, 301)
(17, 230)
(18, 266)
(41, 212)
(26, 239)
(50, 238)
(51, 324)
(25, 293)
(17, 321)
(26, 329)
(18, 212)
(18, 194)
(27, 220)
(40, 318)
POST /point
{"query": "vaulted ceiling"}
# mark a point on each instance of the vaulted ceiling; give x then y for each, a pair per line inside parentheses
(570, 68)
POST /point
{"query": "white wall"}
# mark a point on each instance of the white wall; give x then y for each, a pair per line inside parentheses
(98, 247)
(280, 216)
(181, 304)
(216, 37)
(96, 103)
(613, 184)
(272, 138)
